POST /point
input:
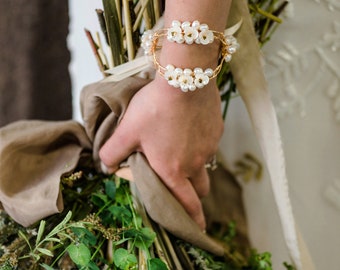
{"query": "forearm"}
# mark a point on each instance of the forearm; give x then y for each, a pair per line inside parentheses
(214, 13)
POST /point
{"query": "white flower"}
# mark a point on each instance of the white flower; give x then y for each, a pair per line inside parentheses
(190, 34)
(175, 32)
(201, 80)
(171, 76)
(206, 36)
(186, 80)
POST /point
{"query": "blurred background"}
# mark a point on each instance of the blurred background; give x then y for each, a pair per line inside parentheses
(45, 58)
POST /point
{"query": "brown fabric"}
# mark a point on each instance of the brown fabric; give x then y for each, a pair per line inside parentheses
(35, 154)
(34, 58)
(224, 204)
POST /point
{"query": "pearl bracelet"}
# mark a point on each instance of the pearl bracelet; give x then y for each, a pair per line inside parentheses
(189, 33)
(187, 79)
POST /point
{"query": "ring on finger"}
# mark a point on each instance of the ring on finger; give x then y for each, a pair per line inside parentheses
(212, 164)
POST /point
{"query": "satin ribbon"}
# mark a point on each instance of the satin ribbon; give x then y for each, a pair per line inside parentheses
(250, 81)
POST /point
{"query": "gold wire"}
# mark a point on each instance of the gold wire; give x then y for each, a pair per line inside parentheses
(163, 32)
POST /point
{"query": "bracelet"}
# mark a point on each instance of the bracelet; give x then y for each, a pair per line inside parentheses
(190, 32)
(187, 79)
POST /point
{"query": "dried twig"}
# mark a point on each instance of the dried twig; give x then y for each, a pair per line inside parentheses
(95, 48)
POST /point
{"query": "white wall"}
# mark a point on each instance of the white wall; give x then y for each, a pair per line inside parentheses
(83, 67)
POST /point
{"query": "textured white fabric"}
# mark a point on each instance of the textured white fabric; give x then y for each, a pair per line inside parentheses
(303, 71)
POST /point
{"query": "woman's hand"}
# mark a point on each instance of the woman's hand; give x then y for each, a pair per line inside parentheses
(177, 132)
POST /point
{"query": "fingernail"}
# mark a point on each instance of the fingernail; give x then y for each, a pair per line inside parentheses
(104, 168)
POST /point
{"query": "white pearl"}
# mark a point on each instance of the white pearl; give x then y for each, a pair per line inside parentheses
(192, 87)
(205, 80)
(187, 71)
(198, 70)
(230, 40)
(204, 27)
(184, 87)
(227, 58)
(209, 72)
(195, 24)
(175, 23)
(185, 24)
(170, 67)
(231, 49)
(178, 71)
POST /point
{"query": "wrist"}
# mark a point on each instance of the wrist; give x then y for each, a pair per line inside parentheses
(190, 56)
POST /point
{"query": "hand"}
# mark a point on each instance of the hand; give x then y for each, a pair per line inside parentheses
(177, 132)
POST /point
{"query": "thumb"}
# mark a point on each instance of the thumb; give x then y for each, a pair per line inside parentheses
(117, 148)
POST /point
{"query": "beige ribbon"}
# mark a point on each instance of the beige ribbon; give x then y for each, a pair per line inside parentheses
(251, 84)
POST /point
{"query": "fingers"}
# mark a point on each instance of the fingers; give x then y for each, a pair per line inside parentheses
(201, 182)
(186, 194)
(117, 148)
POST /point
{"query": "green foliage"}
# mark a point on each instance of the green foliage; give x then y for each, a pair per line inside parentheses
(80, 254)
(156, 264)
(260, 261)
(289, 266)
(113, 224)
(124, 260)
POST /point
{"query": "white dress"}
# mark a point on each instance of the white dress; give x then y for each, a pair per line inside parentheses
(303, 72)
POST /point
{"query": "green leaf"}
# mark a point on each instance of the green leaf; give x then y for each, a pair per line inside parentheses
(156, 264)
(45, 251)
(84, 235)
(59, 227)
(80, 254)
(123, 259)
(40, 231)
(120, 213)
(121, 196)
(23, 236)
(53, 239)
(46, 267)
(145, 238)
(110, 189)
(99, 199)
(92, 266)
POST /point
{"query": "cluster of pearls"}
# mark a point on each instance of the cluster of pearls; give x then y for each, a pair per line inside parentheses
(230, 48)
(187, 79)
(189, 33)
(147, 41)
